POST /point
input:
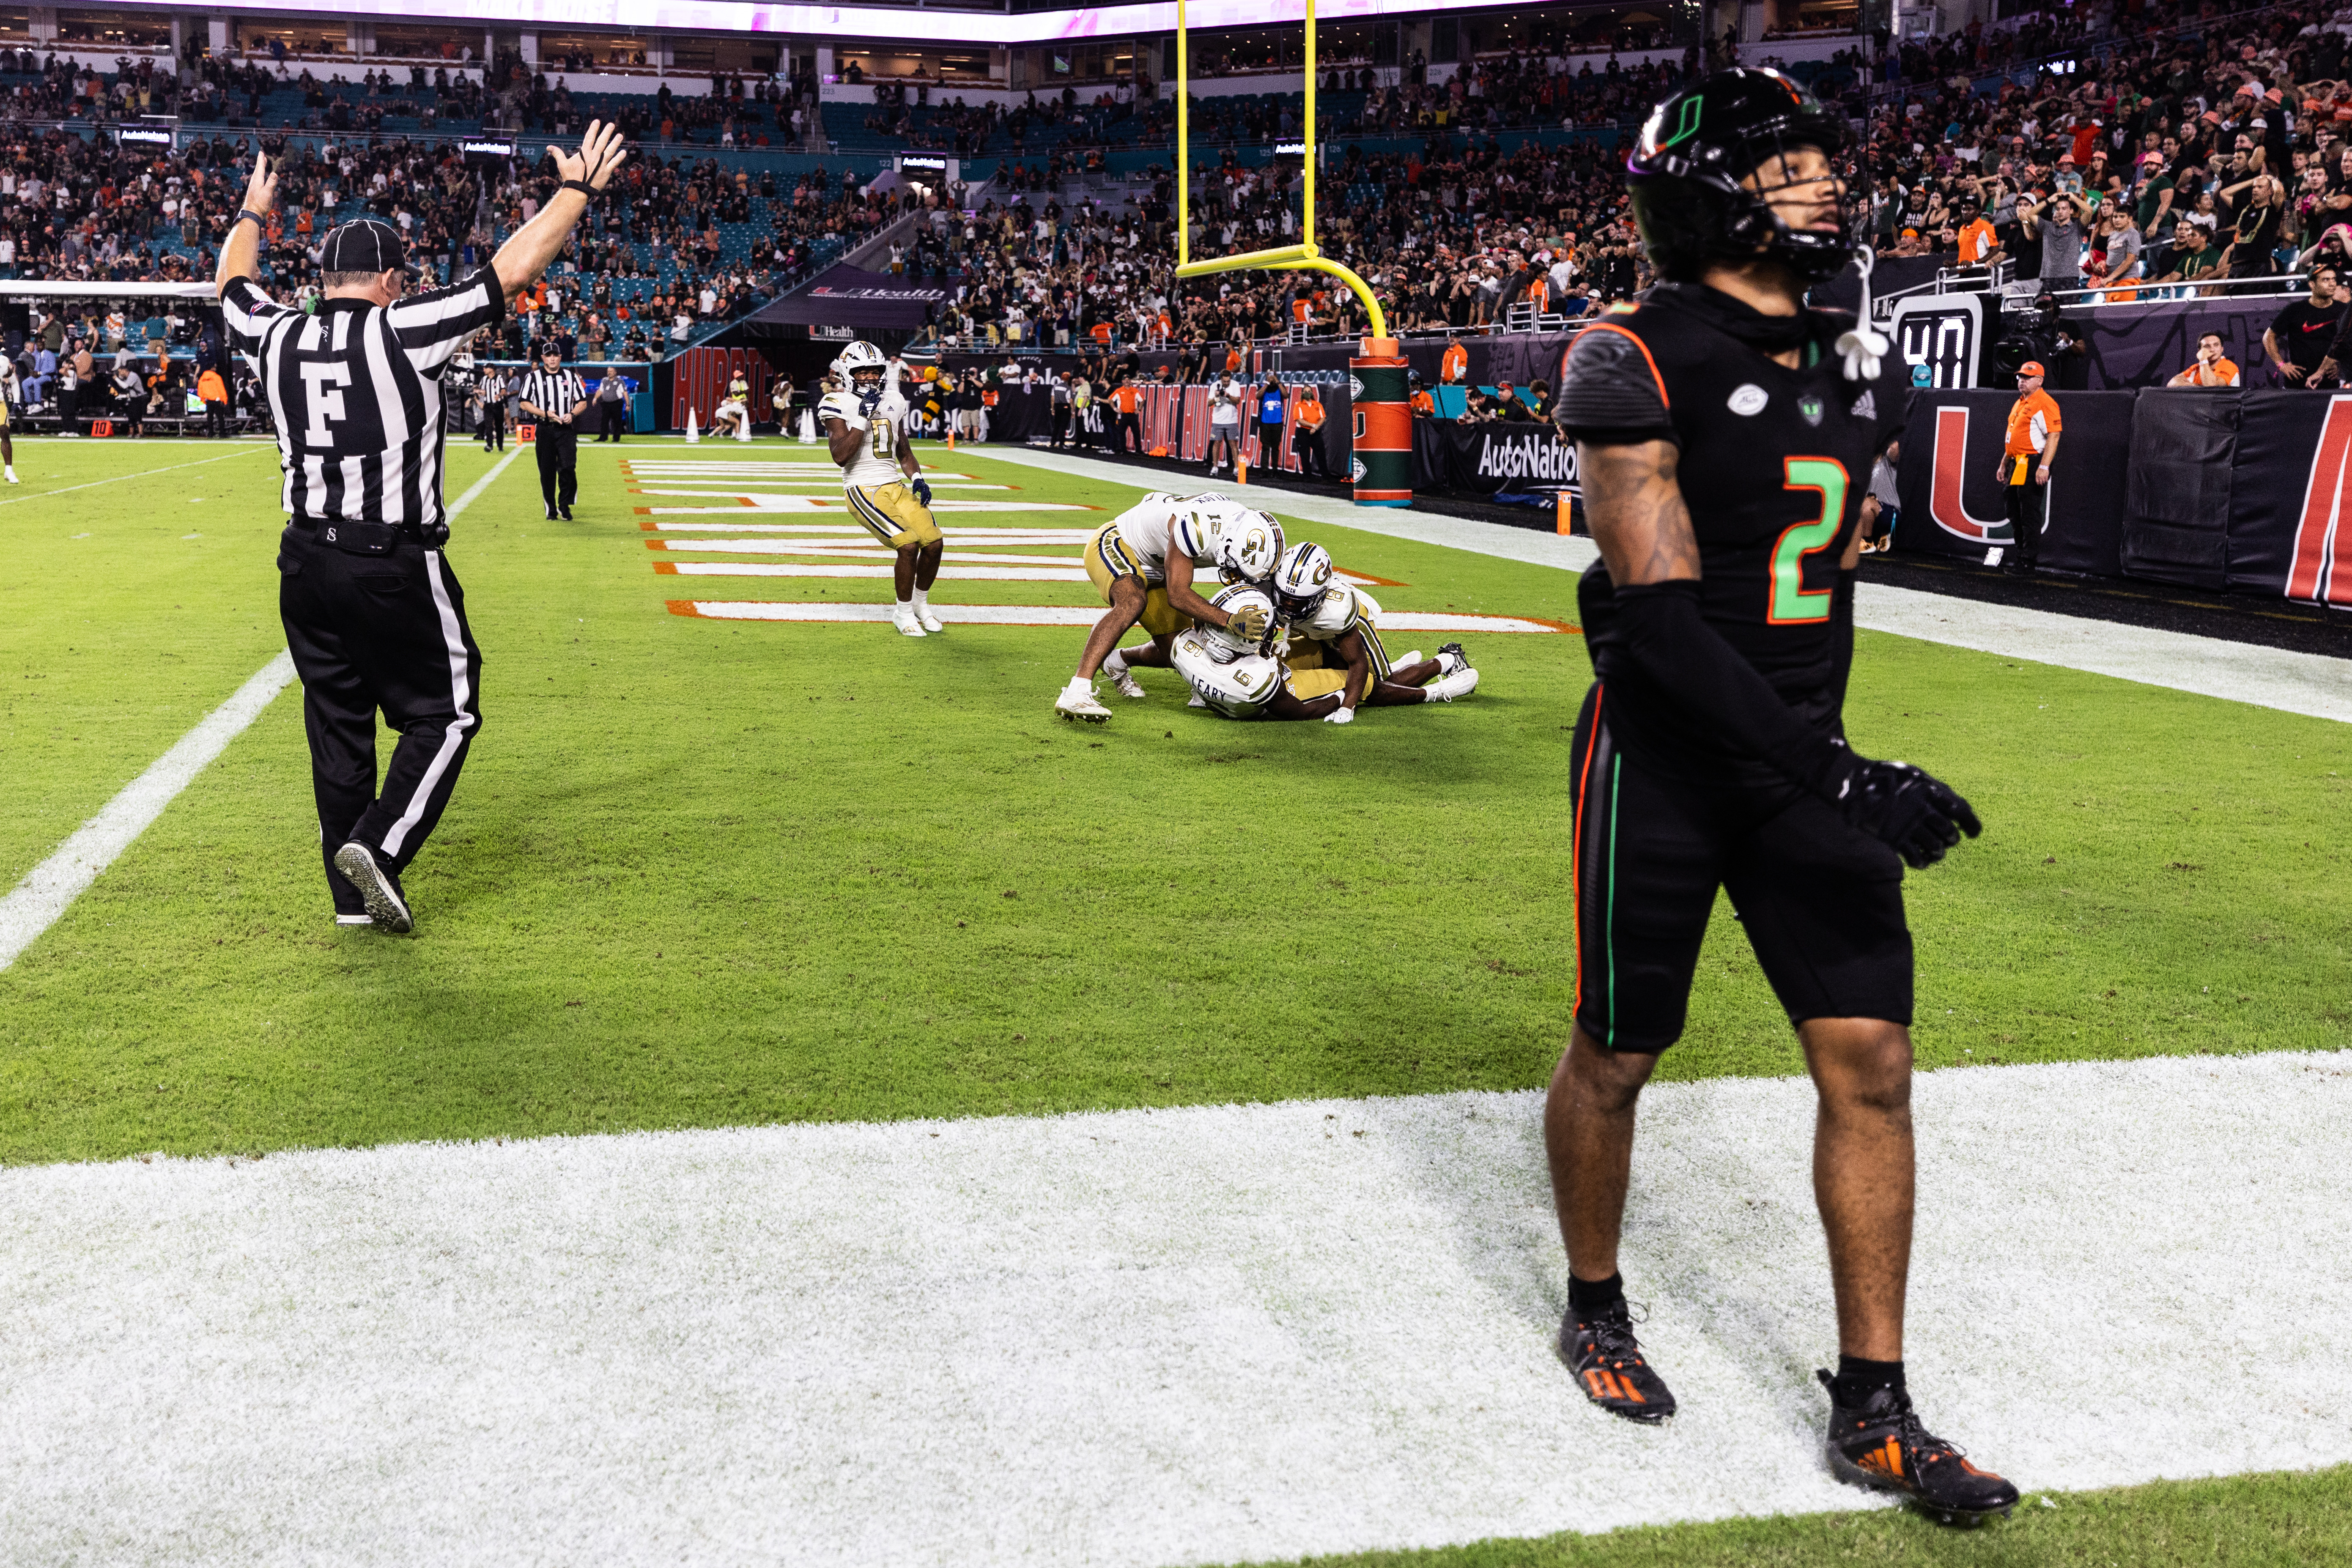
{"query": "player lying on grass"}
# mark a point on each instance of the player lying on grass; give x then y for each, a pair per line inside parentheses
(863, 423)
(1334, 637)
(1269, 677)
(1143, 560)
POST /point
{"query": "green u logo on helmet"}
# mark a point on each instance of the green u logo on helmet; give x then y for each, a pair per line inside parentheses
(1686, 122)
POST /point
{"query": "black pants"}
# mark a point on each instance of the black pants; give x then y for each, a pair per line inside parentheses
(2025, 502)
(1061, 425)
(1308, 444)
(494, 427)
(369, 633)
(215, 419)
(1130, 425)
(611, 414)
(559, 455)
(1269, 444)
(68, 405)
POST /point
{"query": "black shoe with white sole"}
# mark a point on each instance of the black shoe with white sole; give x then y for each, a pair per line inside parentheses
(551, 514)
(566, 512)
(378, 885)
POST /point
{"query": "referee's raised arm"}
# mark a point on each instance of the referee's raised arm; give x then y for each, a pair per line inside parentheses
(374, 616)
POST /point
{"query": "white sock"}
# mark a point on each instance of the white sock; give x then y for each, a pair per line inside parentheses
(11, 471)
(922, 599)
(905, 605)
(1080, 683)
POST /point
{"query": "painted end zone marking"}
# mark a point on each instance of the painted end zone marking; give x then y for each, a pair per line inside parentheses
(1058, 615)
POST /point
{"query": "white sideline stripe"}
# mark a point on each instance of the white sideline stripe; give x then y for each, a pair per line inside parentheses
(1218, 1334)
(35, 902)
(144, 473)
(2293, 682)
(1059, 615)
(51, 886)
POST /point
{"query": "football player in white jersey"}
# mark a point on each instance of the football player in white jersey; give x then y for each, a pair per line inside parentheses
(863, 423)
(1241, 675)
(1334, 642)
(733, 414)
(1142, 562)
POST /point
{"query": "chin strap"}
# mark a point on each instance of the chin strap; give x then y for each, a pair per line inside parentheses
(1863, 347)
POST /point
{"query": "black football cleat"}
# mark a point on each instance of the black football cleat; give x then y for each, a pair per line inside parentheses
(1885, 1447)
(1599, 1348)
(379, 886)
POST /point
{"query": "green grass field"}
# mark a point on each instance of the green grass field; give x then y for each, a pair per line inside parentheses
(709, 873)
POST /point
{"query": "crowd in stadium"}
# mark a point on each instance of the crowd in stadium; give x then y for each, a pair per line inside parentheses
(2171, 148)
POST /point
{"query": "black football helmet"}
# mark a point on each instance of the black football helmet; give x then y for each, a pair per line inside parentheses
(1696, 147)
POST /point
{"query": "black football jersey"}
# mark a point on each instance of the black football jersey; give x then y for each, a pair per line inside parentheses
(1774, 464)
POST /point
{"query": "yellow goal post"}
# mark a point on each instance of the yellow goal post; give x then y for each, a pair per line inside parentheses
(1303, 256)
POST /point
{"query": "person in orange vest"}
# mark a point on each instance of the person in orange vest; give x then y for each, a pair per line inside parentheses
(1455, 365)
(2025, 459)
(214, 394)
(1307, 434)
(1131, 423)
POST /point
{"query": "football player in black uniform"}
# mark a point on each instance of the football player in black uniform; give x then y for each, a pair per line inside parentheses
(1725, 436)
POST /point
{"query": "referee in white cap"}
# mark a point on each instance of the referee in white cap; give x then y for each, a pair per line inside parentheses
(373, 617)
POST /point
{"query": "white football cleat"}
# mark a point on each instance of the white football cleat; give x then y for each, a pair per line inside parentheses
(1115, 667)
(1198, 702)
(1077, 701)
(1446, 688)
(1408, 661)
(932, 623)
(903, 617)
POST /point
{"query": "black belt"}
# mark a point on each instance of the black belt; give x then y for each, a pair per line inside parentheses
(361, 538)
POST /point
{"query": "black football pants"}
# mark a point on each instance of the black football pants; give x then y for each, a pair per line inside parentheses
(611, 414)
(369, 632)
(2025, 503)
(559, 459)
(494, 427)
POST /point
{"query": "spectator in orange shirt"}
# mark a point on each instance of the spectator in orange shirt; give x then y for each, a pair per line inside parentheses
(2212, 368)
(1306, 432)
(1455, 365)
(1978, 246)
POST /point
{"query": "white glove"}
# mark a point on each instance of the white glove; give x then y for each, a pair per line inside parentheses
(1343, 716)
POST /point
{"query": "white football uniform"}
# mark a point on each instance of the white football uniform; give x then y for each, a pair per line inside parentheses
(1228, 673)
(876, 463)
(1163, 521)
(1342, 610)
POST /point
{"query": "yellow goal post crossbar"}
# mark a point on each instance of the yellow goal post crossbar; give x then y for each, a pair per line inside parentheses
(1303, 256)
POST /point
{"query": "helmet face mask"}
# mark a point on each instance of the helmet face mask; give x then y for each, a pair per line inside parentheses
(1303, 572)
(861, 366)
(1711, 161)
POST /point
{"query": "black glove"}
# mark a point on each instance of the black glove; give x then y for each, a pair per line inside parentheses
(868, 401)
(923, 488)
(1908, 809)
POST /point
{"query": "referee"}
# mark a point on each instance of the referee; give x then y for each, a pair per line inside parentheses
(374, 618)
(555, 397)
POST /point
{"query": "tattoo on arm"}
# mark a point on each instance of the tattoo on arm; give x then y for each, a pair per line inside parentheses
(1636, 511)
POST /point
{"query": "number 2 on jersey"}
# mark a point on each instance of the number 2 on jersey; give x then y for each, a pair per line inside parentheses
(1793, 602)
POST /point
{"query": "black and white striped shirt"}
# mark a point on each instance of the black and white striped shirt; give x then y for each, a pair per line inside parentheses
(356, 392)
(557, 391)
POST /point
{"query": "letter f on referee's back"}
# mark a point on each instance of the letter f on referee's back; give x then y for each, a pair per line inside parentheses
(374, 616)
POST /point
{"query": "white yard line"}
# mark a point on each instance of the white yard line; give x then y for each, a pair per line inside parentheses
(1217, 1334)
(1044, 614)
(2208, 667)
(142, 473)
(53, 885)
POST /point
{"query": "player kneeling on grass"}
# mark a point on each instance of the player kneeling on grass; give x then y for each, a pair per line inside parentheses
(1335, 643)
(733, 414)
(863, 423)
(1141, 561)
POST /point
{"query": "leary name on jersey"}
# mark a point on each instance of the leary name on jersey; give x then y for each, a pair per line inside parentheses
(1773, 465)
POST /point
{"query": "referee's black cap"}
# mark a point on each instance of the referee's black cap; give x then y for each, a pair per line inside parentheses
(363, 245)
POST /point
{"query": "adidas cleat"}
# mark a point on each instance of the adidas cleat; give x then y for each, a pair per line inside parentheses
(1600, 1348)
(1451, 659)
(1409, 660)
(378, 886)
(932, 624)
(1078, 702)
(1885, 1447)
(903, 617)
(1114, 668)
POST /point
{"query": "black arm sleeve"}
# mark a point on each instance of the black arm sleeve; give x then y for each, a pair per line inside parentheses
(1663, 632)
(1842, 639)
